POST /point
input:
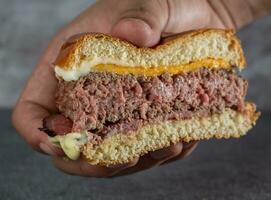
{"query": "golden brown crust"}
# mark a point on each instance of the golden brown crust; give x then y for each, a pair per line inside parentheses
(116, 148)
(229, 34)
(71, 52)
(251, 112)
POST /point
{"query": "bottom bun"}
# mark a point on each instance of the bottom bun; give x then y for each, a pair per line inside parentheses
(122, 148)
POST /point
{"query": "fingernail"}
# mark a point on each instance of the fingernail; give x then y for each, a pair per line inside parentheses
(46, 149)
(170, 151)
(189, 144)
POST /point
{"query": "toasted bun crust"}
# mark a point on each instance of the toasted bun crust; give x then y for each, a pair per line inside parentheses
(122, 148)
(221, 48)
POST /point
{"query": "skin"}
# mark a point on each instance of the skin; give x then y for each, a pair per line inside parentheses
(143, 23)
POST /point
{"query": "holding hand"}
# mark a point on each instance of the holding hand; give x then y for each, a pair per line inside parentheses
(143, 23)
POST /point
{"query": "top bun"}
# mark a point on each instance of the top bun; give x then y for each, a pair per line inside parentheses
(213, 48)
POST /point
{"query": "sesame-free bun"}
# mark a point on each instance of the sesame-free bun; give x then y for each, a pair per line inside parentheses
(122, 148)
(213, 48)
(209, 48)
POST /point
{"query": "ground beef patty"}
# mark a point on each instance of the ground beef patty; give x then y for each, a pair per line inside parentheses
(102, 100)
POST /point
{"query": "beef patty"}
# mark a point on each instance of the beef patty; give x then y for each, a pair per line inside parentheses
(101, 102)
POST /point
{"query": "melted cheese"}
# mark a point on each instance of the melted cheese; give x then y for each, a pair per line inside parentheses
(87, 66)
(156, 71)
(70, 143)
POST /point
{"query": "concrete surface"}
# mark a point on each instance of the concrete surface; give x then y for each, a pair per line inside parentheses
(28, 25)
(218, 170)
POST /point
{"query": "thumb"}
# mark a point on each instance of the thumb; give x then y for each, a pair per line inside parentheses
(141, 23)
(137, 32)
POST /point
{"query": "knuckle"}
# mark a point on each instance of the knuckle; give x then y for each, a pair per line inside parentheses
(176, 149)
(33, 143)
(133, 163)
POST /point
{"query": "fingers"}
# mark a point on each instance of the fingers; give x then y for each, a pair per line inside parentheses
(136, 31)
(82, 168)
(153, 159)
(187, 15)
(141, 22)
(163, 155)
(27, 118)
(49, 149)
(188, 148)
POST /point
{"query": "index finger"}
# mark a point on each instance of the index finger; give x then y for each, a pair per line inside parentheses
(27, 118)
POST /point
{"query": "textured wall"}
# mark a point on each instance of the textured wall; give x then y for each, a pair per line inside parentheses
(28, 25)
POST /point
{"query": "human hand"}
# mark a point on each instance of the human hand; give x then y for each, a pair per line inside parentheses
(143, 23)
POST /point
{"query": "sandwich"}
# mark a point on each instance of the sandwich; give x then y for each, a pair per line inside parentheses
(118, 102)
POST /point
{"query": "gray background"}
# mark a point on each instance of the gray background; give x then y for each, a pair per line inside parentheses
(233, 169)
